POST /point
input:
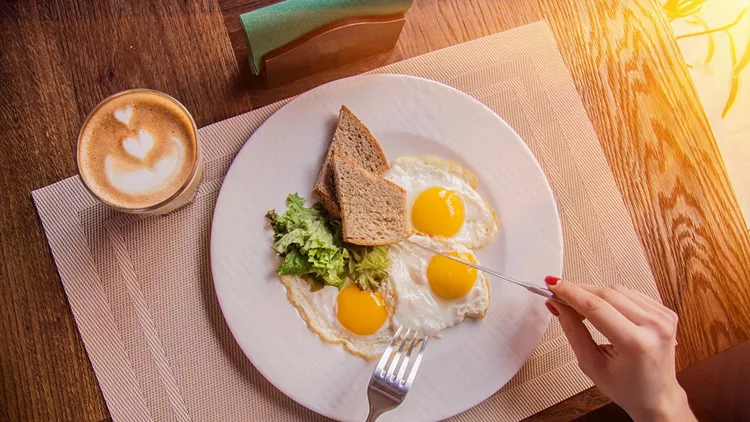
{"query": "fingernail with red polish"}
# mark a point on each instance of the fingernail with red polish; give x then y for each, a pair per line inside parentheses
(552, 309)
(551, 280)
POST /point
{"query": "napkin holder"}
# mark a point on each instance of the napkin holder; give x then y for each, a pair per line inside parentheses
(341, 42)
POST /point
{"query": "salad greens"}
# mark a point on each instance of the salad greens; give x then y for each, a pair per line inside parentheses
(310, 242)
(368, 265)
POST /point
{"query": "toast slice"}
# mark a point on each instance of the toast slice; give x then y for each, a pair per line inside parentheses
(373, 209)
(353, 140)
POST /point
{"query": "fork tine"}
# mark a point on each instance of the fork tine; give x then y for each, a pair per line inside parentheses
(387, 353)
(400, 377)
(394, 363)
(415, 367)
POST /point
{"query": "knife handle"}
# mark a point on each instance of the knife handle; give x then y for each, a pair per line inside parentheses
(546, 293)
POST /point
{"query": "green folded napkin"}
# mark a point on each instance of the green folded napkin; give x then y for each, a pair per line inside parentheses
(274, 26)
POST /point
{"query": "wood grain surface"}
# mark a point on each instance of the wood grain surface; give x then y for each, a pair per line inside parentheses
(59, 58)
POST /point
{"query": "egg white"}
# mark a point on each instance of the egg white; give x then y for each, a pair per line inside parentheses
(417, 174)
(415, 304)
(318, 310)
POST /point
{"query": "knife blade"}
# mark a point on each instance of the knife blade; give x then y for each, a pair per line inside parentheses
(541, 291)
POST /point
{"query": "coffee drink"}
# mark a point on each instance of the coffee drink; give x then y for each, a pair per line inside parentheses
(138, 152)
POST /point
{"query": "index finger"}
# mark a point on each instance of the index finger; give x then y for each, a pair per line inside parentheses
(603, 316)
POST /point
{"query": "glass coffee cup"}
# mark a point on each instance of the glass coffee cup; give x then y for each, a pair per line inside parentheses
(138, 152)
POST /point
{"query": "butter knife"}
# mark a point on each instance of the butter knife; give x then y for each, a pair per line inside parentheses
(541, 291)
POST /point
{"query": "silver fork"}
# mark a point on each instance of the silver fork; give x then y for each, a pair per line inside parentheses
(390, 382)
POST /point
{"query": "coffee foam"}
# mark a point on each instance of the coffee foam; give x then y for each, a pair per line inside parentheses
(137, 150)
(145, 181)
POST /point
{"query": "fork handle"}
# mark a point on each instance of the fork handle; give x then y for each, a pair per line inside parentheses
(374, 414)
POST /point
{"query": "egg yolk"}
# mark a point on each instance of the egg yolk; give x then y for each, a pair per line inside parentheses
(360, 311)
(450, 279)
(438, 212)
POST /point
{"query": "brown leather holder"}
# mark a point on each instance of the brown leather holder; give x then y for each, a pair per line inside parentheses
(333, 45)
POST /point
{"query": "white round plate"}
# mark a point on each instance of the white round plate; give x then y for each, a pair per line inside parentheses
(408, 116)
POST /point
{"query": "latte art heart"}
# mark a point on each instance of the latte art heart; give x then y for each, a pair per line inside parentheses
(124, 115)
(145, 180)
(139, 147)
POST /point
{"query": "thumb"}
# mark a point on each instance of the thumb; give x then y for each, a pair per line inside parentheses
(579, 337)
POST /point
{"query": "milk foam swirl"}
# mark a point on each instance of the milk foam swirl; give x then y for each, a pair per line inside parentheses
(137, 150)
(144, 180)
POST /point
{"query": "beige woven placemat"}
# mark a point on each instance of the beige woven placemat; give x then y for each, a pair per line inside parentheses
(141, 290)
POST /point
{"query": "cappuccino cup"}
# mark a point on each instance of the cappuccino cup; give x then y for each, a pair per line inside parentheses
(138, 152)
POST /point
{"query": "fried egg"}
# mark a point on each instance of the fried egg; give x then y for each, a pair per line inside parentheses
(443, 201)
(354, 318)
(431, 293)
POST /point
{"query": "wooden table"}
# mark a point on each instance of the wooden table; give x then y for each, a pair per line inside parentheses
(59, 58)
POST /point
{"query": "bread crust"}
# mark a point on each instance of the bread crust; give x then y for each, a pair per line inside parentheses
(325, 188)
(397, 231)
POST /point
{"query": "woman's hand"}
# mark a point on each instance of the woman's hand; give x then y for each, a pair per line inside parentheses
(637, 371)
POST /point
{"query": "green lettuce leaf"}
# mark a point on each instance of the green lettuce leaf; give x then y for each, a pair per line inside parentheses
(295, 264)
(368, 266)
(310, 243)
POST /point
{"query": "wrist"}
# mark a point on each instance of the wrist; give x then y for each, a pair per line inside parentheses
(672, 406)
